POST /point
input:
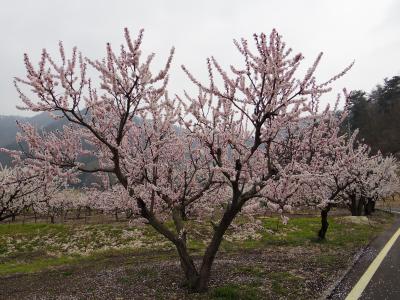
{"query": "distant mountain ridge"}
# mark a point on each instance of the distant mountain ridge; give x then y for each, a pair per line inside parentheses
(9, 129)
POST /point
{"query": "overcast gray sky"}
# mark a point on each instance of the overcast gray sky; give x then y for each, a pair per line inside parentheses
(367, 31)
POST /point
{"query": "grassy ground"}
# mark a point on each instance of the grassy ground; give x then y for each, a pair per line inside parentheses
(103, 261)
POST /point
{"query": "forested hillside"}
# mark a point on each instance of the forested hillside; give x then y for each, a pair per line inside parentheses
(377, 116)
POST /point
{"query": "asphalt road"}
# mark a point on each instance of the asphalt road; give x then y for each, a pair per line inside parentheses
(385, 283)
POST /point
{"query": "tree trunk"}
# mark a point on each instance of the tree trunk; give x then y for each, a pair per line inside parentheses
(180, 240)
(353, 205)
(360, 206)
(212, 249)
(357, 205)
(196, 281)
(369, 206)
(183, 214)
(324, 223)
(187, 265)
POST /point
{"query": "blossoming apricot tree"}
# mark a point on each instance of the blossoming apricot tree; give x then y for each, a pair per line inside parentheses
(242, 124)
(215, 154)
(21, 188)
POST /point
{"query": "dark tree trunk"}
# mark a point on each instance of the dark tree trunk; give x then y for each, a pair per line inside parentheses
(183, 214)
(367, 210)
(360, 206)
(212, 249)
(353, 205)
(324, 223)
(78, 213)
(196, 281)
(357, 205)
(369, 207)
(179, 240)
(187, 265)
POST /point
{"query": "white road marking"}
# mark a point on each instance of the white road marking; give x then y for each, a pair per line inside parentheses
(365, 279)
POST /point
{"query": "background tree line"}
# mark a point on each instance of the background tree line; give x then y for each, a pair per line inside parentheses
(376, 115)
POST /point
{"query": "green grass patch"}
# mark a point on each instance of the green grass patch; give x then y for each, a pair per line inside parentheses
(32, 229)
(303, 231)
(285, 284)
(234, 292)
(67, 273)
(37, 265)
(101, 258)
